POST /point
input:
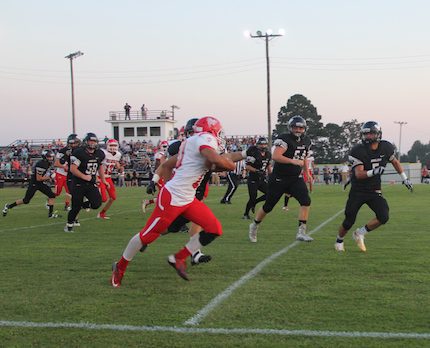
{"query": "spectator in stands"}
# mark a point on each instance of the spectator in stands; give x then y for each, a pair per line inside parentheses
(134, 179)
(144, 111)
(326, 175)
(344, 173)
(424, 174)
(127, 111)
(121, 181)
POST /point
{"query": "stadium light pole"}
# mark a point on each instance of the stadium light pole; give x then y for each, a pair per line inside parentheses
(267, 36)
(173, 110)
(72, 56)
(401, 123)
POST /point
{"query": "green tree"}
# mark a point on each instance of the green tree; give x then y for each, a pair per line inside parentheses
(299, 105)
(418, 152)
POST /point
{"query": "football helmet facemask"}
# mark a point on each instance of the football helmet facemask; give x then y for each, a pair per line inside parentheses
(297, 126)
(112, 146)
(91, 141)
(211, 125)
(371, 132)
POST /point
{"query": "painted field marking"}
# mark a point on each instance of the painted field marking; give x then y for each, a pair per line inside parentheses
(202, 313)
(224, 331)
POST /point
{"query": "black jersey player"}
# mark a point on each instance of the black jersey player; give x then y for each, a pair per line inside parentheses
(368, 161)
(39, 181)
(289, 155)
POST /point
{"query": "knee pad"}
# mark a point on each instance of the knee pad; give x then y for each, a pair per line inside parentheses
(25, 201)
(205, 238)
(267, 208)
(383, 219)
(96, 205)
(142, 249)
(347, 224)
(305, 201)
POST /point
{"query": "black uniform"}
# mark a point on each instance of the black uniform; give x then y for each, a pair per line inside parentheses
(285, 177)
(88, 163)
(42, 168)
(180, 221)
(257, 180)
(233, 178)
(368, 191)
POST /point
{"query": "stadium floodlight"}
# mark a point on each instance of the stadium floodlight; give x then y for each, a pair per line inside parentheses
(247, 34)
(72, 56)
(267, 36)
(400, 123)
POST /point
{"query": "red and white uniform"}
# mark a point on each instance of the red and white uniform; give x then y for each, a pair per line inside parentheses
(60, 173)
(177, 197)
(308, 176)
(110, 163)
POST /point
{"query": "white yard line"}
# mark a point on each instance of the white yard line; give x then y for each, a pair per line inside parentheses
(224, 331)
(201, 314)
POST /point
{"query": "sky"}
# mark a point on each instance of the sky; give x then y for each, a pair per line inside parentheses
(364, 60)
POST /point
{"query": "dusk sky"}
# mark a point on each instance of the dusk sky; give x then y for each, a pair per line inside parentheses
(368, 60)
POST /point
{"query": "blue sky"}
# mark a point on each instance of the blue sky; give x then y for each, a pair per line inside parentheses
(352, 59)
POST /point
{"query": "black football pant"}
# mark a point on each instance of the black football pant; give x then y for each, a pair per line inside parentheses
(79, 191)
(233, 183)
(255, 185)
(33, 187)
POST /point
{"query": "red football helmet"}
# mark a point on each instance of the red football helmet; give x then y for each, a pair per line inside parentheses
(164, 145)
(211, 125)
(112, 146)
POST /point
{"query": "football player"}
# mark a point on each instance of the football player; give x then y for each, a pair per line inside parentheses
(39, 181)
(61, 164)
(177, 197)
(85, 163)
(111, 162)
(258, 171)
(368, 161)
(289, 155)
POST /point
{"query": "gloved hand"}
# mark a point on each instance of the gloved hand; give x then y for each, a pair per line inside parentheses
(150, 189)
(378, 170)
(250, 159)
(408, 185)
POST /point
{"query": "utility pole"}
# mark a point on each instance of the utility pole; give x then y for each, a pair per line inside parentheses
(267, 36)
(173, 110)
(72, 56)
(401, 123)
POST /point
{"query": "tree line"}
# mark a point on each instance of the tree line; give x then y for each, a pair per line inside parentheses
(332, 142)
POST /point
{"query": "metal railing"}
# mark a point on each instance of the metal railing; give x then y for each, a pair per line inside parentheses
(135, 115)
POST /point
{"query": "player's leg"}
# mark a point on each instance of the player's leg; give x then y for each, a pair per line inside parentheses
(299, 191)
(112, 197)
(252, 191)
(275, 190)
(77, 200)
(51, 199)
(160, 219)
(262, 187)
(29, 194)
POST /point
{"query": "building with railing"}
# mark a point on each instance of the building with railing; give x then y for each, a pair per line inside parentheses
(154, 125)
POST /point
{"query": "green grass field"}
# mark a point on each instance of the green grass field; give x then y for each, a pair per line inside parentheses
(308, 296)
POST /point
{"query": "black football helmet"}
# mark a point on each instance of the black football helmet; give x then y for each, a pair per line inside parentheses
(91, 137)
(371, 127)
(189, 130)
(297, 121)
(262, 142)
(48, 155)
(73, 141)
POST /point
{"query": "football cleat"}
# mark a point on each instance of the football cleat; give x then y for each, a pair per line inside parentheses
(179, 265)
(285, 208)
(184, 228)
(253, 227)
(102, 215)
(359, 239)
(145, 204)
(5, 210)
(246, 217)
(117, 275)
(301, 235)
(198, 257)
(68, 228)
(339, 246)
(76, 223)
(54, 215)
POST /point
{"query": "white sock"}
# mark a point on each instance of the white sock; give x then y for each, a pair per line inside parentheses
(132, 248)
(193, 244)
(362, 230)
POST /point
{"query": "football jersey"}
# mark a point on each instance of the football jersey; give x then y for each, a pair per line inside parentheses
(261, 162)
(42, 168)
(88, 163)
(110, 161)
(63, 155)
(362, 154)
(294, 149)
(190, 168)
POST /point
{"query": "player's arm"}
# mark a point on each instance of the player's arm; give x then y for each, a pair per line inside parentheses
(60, 163)
(399, 168)
(76, 172)
(219, 163)
(165, 171)
(278, 153)
(251, 169)
(39, 175)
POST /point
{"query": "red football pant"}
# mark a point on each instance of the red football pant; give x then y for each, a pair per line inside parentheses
(164, 214)
(60, 182)
(104, 191)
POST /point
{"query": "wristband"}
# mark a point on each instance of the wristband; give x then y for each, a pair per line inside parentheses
(155, 178)
(403, 176)
(244, 155)
(369, 173)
